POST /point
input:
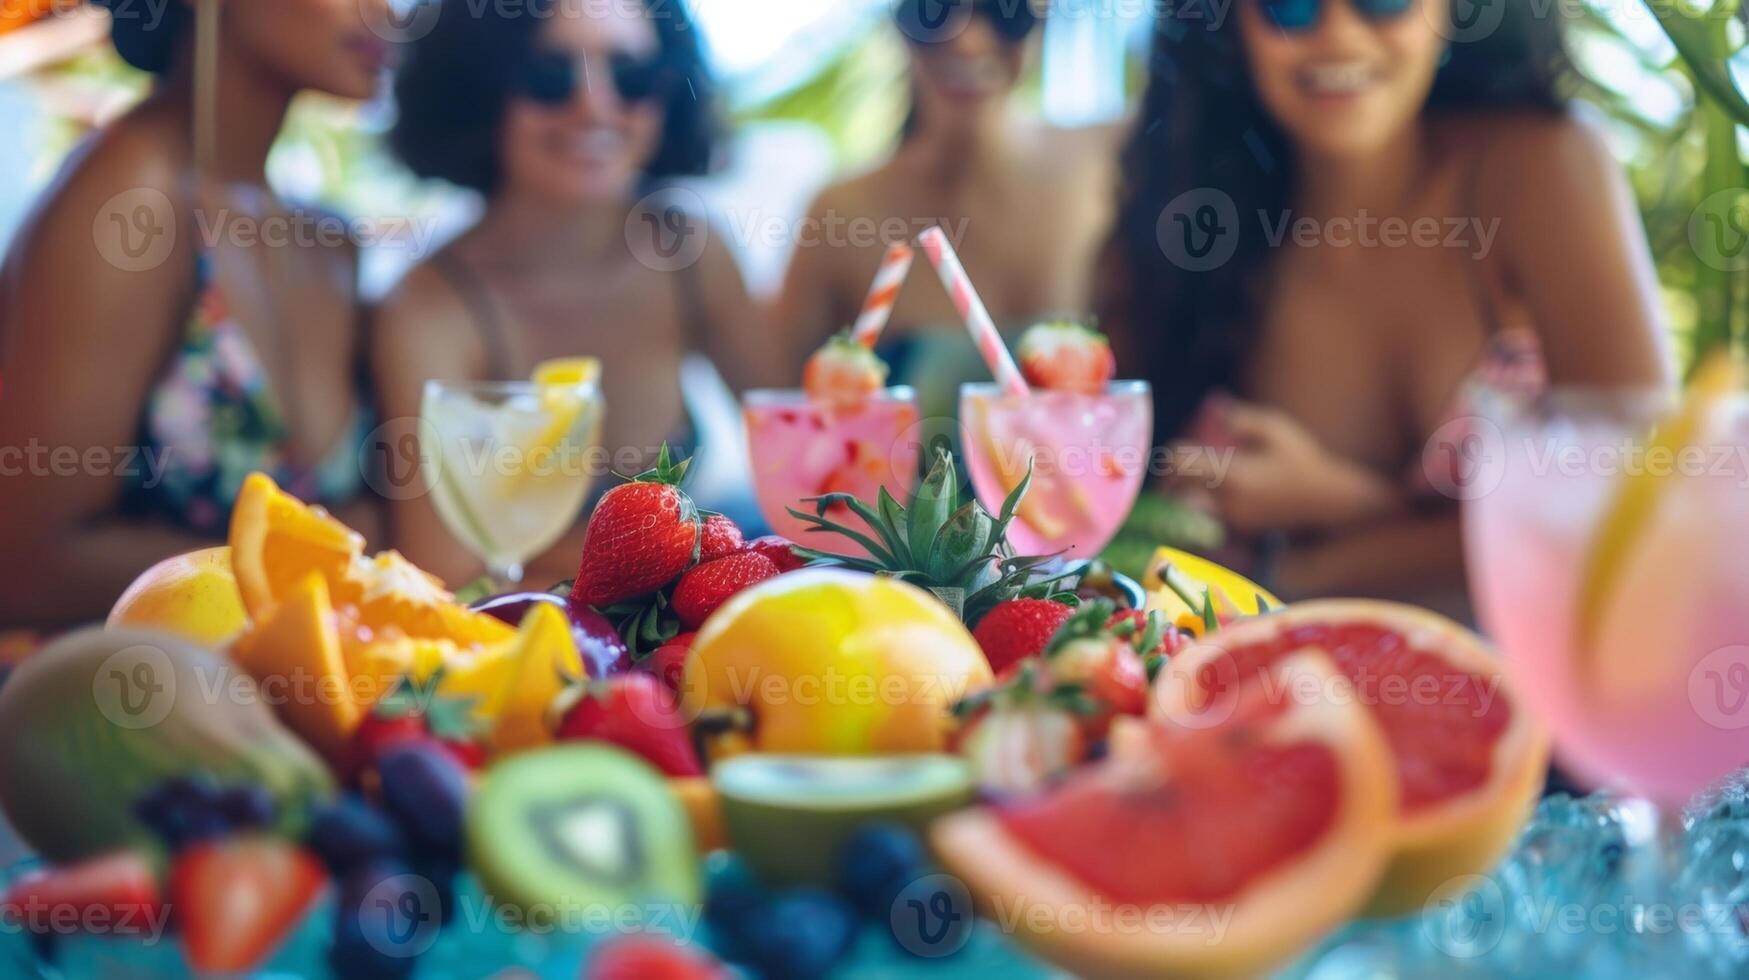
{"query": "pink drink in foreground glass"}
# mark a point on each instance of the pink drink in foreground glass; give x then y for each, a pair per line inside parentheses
(1089, 456)
(803, 448)
(1659, 704)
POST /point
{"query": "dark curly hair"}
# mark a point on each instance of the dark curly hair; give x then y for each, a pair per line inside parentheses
(456, 81)
(146, 32)
(1201, 125)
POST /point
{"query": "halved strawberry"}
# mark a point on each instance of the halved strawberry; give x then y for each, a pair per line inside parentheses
(710, 585)
(117, 893)
(235, 900)
(1066, 356)
(843, 373)
(635, 712)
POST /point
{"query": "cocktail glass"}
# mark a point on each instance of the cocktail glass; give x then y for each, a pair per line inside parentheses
(1641, 673)
(509, 464)
(1089, 456)
(803, 448)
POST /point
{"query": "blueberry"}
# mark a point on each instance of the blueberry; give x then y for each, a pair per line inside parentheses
(732, 895)
(382, 922)
(347, 832)
(248, 806)
(877, 862)
(426, 791)
(800, 933)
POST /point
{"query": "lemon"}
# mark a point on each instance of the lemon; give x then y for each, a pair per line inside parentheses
(1637, 496)
(194, 596)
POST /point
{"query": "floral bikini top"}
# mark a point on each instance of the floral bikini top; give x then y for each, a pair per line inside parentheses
(210, 421)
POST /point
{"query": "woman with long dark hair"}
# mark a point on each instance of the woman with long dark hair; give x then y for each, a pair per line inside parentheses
(1026, 204)
(167, 323)
(568, 117)
(1333, 210)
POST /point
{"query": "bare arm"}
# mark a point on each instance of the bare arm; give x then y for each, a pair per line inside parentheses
(421, 332)
(740, 340)
(1574, 248)
(1407, 557)
(83, 338)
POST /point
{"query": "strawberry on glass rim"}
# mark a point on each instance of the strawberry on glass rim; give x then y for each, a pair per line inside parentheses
(1063, 355)
(844, 373)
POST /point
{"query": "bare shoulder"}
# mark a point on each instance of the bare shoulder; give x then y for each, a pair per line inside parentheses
(424, 309)
(1528, 155)
(858, 195)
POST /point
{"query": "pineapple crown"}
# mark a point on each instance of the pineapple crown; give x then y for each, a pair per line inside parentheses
(940, 542)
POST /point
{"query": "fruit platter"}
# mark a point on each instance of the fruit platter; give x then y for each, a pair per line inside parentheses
(928, 733)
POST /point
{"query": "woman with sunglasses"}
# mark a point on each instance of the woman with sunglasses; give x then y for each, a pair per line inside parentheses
(167, 323)
(563, 115)
(1027, 205)
(1332, 217)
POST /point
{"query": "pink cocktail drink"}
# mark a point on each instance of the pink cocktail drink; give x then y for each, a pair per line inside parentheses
(1089, 455)
(1657, 701)
(803, 448)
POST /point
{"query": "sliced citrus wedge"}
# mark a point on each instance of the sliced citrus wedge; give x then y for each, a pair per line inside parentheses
(294, 653)
(568, 371)
(1638, 494)
(540, 665)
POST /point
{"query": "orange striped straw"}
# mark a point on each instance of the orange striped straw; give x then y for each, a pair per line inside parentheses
(878, 308)
(972, 311)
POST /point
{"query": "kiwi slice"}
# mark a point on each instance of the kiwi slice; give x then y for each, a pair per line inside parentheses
(789, 815)
(579, 829)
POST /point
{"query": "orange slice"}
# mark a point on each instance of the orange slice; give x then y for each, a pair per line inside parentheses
(294, 653)
(544, 658)
(277, 540)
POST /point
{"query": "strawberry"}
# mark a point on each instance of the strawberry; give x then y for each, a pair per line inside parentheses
(413, 710)
(710, 585)
(1021, 735)
(843, 373)
(667, 662)
(649, 958)
(1066, 356)
(719, 538)
(1019, 628)
(1089, 656)
(642, 535)
(115, 893)
(1166, 641)
(635, 712)
(781, 551)
(236, 899)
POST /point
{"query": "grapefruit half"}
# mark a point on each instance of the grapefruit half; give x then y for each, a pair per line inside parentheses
(1197, 850)
(1468, 757)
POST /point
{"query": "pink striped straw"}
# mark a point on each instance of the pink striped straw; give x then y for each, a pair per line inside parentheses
(972, 311)
(878, 308)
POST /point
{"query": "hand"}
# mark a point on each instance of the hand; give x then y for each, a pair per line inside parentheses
(1264, 471)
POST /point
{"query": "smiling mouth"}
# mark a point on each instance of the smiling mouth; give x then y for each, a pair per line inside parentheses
(595, 146)
(1334, 79)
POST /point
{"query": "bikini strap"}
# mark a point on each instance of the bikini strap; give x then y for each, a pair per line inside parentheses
(474, 295)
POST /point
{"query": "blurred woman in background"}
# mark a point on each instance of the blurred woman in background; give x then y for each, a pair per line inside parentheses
(157, 341)
(1330, 216)
(1027, 205)
(563, 114)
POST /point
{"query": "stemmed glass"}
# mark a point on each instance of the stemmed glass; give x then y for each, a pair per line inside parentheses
(1089, 456)
(509, 464)
(1606, 538)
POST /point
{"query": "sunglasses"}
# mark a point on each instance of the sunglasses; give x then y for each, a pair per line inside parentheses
(553, 78)
(938, 21)
(1302, 15)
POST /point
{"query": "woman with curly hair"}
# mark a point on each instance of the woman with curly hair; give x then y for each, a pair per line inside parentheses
(569, 118)
(158, 340)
